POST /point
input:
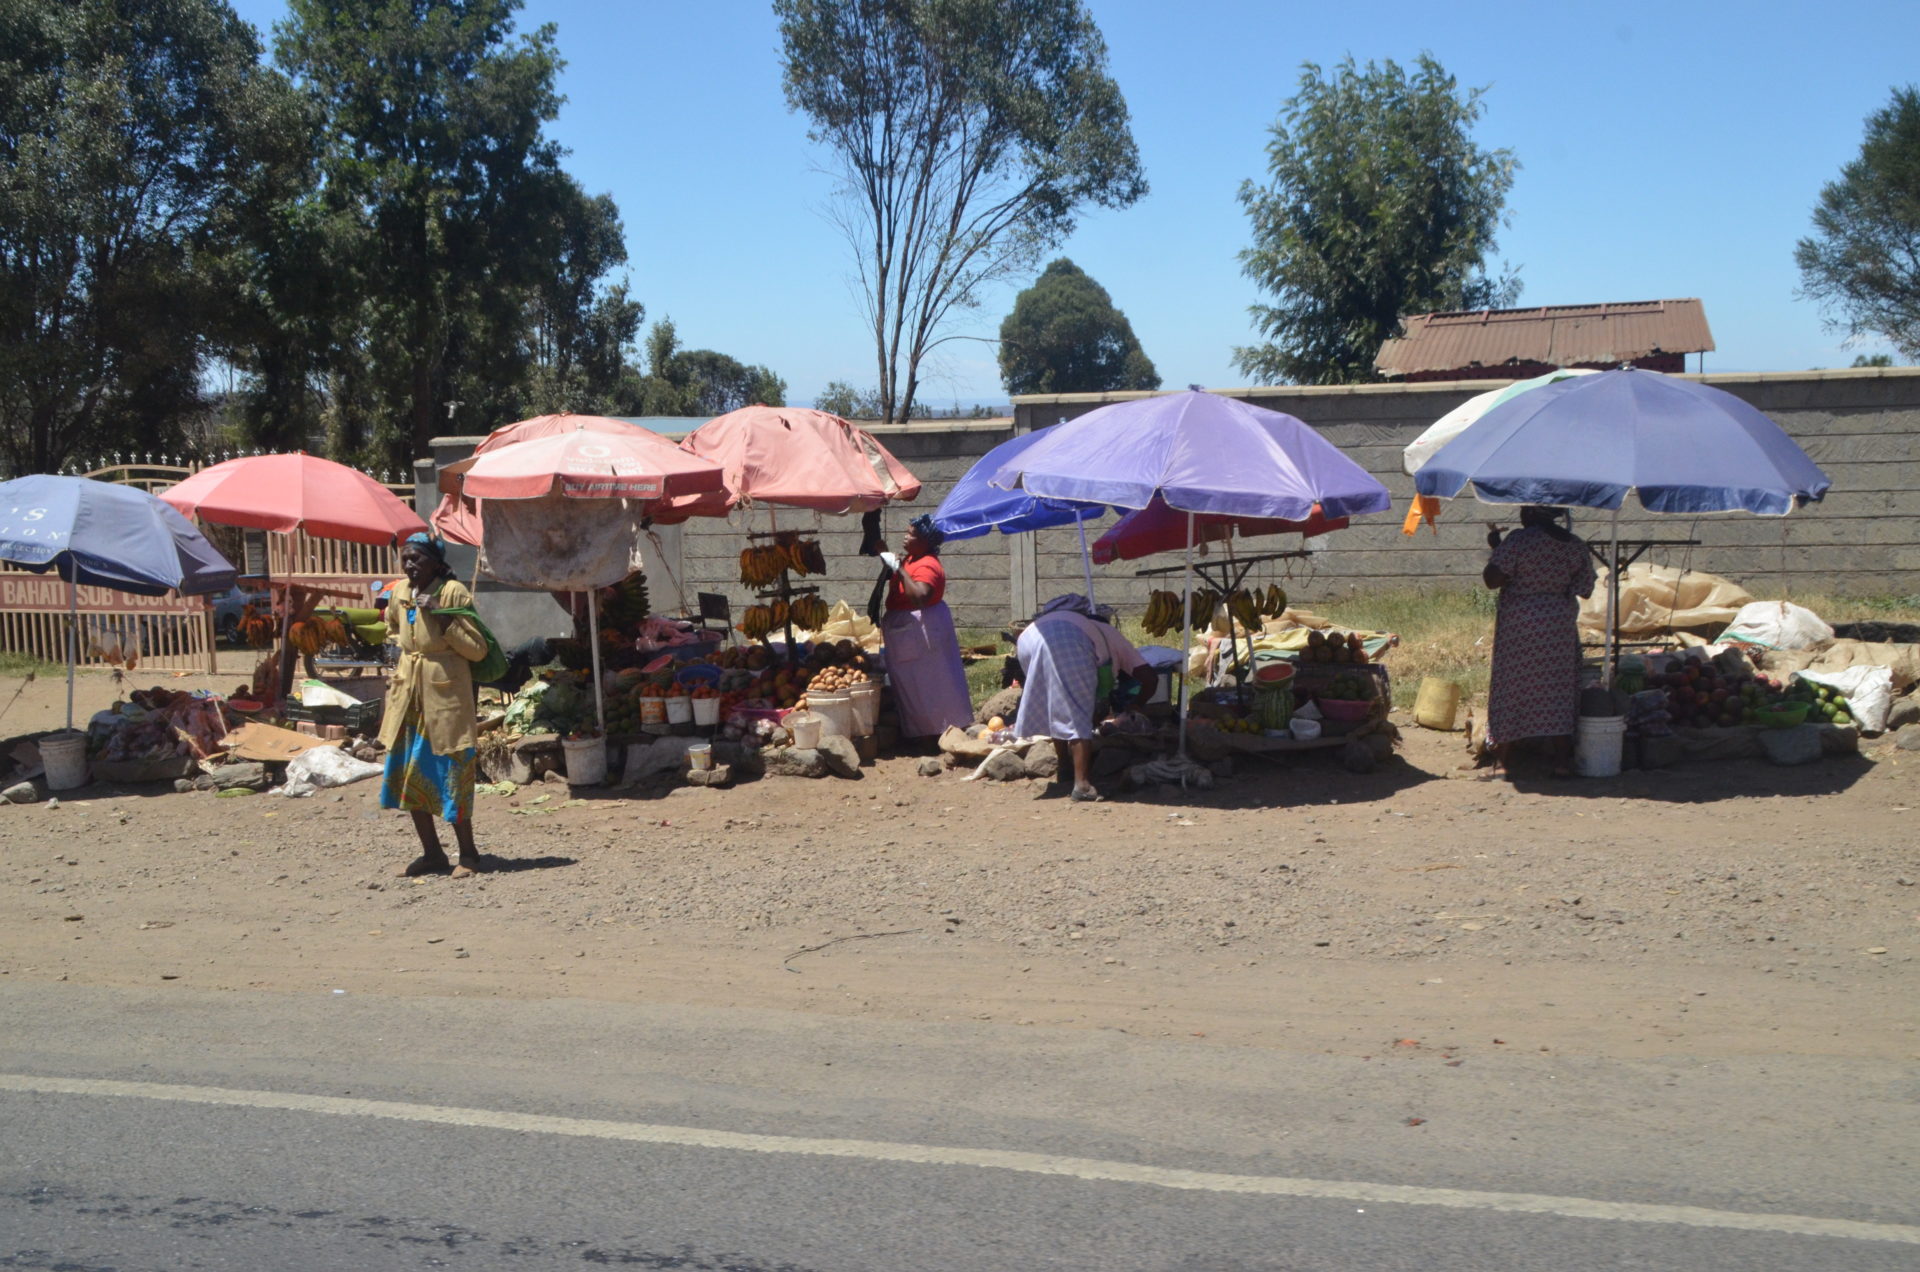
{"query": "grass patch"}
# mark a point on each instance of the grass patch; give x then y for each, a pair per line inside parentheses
(1445, 633)
(13, 663)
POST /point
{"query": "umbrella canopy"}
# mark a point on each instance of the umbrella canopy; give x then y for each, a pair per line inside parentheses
(1454, 422)
(801, 458)
(975, 506)
(285, 493)
(1160, 528)
(1680, 446)
(1199, 452)
(105, 535)
(458, 515)
(590, 464)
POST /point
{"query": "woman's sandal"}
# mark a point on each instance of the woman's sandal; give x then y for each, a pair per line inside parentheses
(1087, 796)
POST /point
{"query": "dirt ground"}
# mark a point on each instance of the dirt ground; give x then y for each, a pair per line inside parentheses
(1714, 910)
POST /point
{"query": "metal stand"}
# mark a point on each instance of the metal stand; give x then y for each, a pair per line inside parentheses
(1623, 553)
(1227, 576)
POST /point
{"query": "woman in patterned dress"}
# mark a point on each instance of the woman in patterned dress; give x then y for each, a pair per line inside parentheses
(1540, 572)
(429, 726)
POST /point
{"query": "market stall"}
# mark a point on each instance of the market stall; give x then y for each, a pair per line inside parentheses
(1198, 455)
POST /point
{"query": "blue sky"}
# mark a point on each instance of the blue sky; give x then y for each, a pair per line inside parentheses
(1667, 150)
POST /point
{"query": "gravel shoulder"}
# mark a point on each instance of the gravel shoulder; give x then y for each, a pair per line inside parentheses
(1716, 910)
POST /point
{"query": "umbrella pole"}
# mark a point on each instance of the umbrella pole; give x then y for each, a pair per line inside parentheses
(1186, 589)
(1613, 603)
(1086, 557)
(73, 641)
(593, 641)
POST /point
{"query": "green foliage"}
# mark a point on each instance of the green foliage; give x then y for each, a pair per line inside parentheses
(1873, 360)
(969, 134)
(444, 214)
(842, 399)
(1862, 262)
(1379, 204)
(1065, 336)
(135, 136)
(701, 382)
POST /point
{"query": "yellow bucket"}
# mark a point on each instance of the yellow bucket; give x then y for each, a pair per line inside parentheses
(1437, 705)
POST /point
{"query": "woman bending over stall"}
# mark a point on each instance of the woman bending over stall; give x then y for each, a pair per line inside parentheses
(1068, 660)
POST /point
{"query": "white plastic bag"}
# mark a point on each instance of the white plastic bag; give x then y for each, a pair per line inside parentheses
(1778, 625)
(1868, 689)
(322, 768)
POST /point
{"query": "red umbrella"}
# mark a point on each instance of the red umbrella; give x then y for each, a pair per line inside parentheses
(1160, 528)
(801, 458)
(286, 493)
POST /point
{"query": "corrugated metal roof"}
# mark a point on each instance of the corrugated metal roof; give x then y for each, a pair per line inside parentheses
(1556, 335)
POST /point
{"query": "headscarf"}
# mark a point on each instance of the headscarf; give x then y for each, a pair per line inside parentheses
(1073, 601)
(923, 526)
(430, 543)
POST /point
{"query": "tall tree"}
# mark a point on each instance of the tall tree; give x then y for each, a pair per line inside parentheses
(579, 329)
(438, 196)
(969, 134)
(1863, 260)
(1379, 204)
(132, 134)
(701, 381)
(1065, 336)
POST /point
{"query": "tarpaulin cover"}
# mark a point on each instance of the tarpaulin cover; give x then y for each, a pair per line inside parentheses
(1200, 452)
(801, 458)
(975, 506)
(1658, 599)
(1159, 528)
(561, 544)
(285, 493)
(1683, 447)
(100, 534)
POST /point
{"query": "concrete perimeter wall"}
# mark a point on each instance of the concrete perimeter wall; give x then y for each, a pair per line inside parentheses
(1861, 426)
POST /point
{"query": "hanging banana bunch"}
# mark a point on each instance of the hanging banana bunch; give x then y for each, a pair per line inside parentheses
(809, 613)
(1163, 613)
(1205, 601)
(756, 622)
(1245, 610)
(1273, 602)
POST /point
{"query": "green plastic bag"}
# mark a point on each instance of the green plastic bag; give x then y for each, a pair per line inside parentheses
(493, 664)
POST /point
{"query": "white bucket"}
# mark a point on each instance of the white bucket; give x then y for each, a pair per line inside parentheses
(680, 710)
(706, 711)
(586, 760)
(1596, 746)
(836, 713)
(64, 756)
(866, 707)
(805, 726)
(700, 755)
(1303, 729)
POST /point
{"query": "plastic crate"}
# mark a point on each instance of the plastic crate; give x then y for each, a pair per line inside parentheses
(362, 717)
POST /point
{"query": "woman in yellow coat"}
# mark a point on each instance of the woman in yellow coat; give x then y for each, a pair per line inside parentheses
(429, 724)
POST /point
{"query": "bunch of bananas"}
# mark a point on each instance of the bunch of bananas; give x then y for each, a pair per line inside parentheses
(629, 605)
(810, 613)
(1245, 610)
(756, 622)
(1273, 601)
(256, 627)
(762, 564)
(1163, 613)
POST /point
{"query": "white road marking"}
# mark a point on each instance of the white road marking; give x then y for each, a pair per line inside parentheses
(986, 1159)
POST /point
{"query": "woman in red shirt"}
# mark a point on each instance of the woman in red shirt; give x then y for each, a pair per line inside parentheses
(923, 650)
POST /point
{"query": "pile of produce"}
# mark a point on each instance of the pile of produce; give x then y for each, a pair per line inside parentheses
(1701, 695)
(1350, 689)
(1332, 647)
(836, 679)
(1165, 614)
(762, 564)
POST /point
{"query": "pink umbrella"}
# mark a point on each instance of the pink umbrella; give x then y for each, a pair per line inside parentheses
(1159, 528)
(458, 516)
(591, 464)
(285, 493)
(801, 458)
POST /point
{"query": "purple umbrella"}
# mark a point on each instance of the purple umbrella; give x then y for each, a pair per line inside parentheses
(1199, 453)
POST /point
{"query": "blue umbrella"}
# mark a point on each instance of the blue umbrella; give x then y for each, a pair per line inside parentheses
(975, 506)
(99, 534)
(1679, 446)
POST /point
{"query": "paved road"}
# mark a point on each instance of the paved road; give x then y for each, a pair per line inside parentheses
(148, 1130)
